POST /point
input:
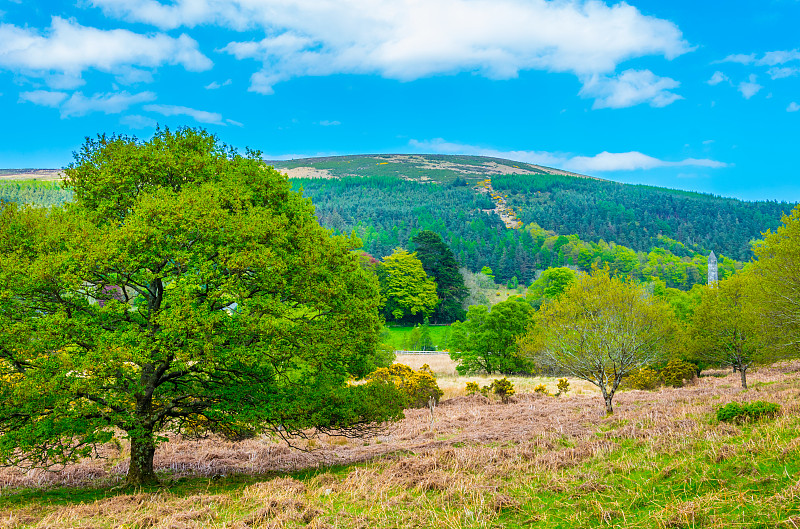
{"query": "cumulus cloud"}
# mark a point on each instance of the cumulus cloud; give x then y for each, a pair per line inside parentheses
(750, 87)
(793, 107)
(602, 162)
(327, 123)
(631, 87)
(631, 161)
(201, 116)
(65, 50)
(410, 39)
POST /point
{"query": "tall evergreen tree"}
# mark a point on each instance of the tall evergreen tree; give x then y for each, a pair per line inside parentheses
(440, 264)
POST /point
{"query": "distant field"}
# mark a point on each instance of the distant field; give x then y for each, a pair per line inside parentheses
(39, 175)
(398, 337)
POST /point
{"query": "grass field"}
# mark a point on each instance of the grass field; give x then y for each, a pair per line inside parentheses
(398, 336)
(660, 461)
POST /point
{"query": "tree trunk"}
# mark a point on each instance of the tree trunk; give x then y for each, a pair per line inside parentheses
(743, 371)
(609, 408)
(141, 472)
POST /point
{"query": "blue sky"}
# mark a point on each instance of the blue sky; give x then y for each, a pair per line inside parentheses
(692, 95)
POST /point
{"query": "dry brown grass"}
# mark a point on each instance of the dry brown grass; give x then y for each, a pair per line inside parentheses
(464, 459)
(458, 420)
(454, 384)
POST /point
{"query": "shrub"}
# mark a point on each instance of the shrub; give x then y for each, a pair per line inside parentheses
(761, 409)
(541, 388)
(642, 378)
(677, 371)
(472, 388)
(417, 386)
(563, 386)
(503, 388)
(758, 409)
(730, 412)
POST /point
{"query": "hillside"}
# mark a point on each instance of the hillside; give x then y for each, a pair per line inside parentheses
(513, 217)
(559, 218)
(565, 203)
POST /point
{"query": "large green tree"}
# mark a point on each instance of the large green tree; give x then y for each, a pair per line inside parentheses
(187, 289)
(776, 288)
(440, 264)
(725, 328)
(486, 341)
(599, 330)
(407, 290)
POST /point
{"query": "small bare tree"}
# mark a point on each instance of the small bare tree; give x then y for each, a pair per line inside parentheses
(600, 330)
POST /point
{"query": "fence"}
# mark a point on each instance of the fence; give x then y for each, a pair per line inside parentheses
(401, 352)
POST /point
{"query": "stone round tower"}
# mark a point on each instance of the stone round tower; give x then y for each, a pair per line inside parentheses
(712, 269)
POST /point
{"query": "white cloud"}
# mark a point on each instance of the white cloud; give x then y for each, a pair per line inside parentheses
(782, 72)
(770, 58)
(631, 87)
(107, 103)
(603, 162)
(43, 98)
(129, 75)
(215, 85)
(717, 78)
(773, 58)
(441, 146)
(326, 123)
(410, 39)
(750, 87)
(66, 49)
(201, 116)
(793, 107)
(741, 58)
(631, 161)
(78, 104)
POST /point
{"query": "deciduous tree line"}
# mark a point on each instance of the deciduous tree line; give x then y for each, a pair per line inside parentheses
(600, 327)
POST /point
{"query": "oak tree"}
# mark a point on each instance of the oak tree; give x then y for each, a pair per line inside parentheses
(187, 289)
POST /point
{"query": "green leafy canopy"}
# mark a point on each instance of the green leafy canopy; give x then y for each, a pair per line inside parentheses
(188, 289)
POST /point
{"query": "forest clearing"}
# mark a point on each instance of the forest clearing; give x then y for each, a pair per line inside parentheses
(662, 460)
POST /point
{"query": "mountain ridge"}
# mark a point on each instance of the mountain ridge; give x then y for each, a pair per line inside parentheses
(452, 165)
